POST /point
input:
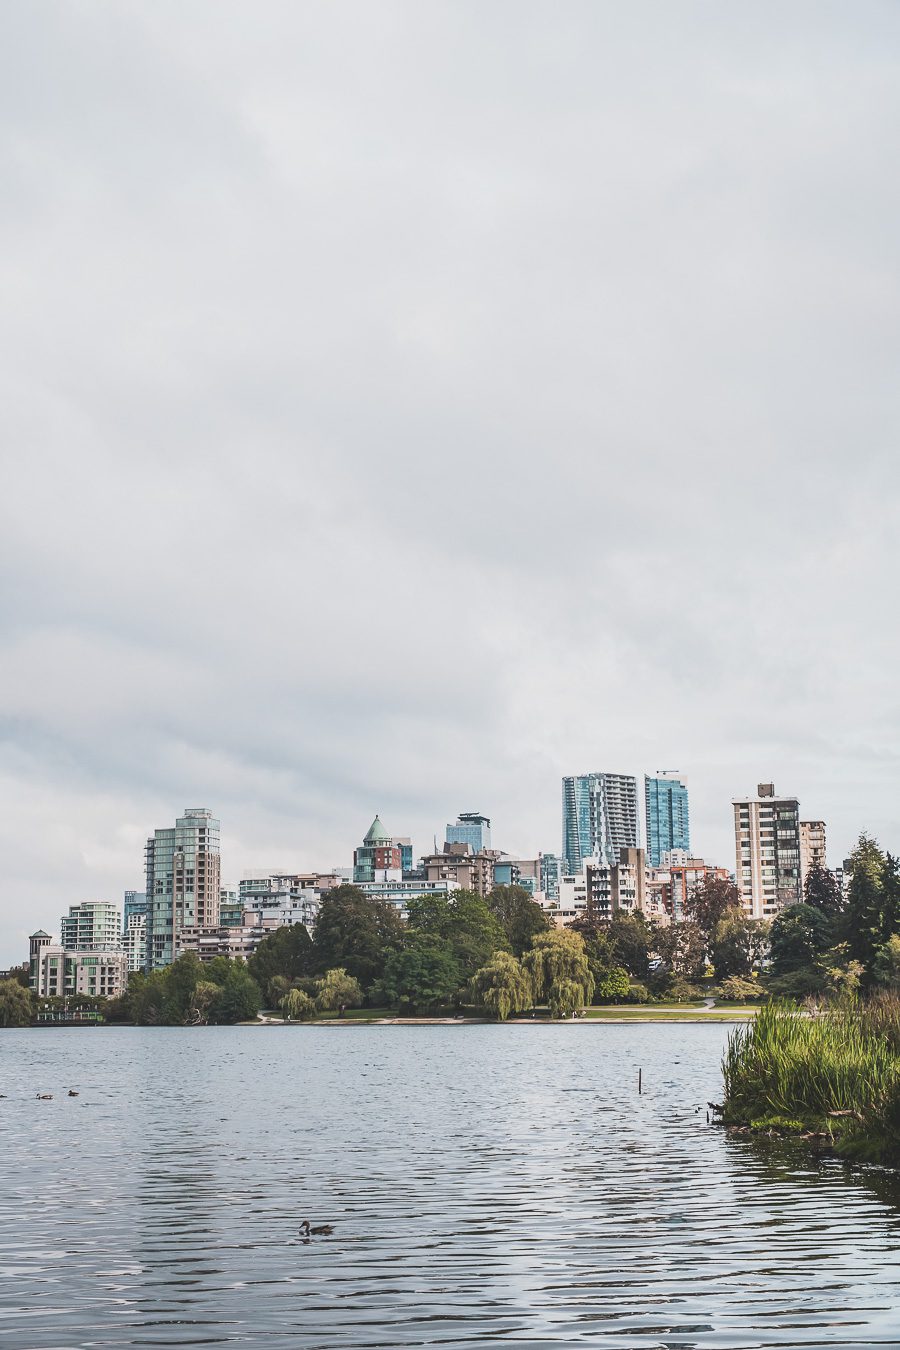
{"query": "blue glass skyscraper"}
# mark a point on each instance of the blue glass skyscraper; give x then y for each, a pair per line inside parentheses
(668, 827)
(600, 817)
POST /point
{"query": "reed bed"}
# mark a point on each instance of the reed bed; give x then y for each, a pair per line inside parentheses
(835, 1074)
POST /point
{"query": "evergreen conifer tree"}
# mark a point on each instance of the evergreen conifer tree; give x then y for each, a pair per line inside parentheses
(865, 913)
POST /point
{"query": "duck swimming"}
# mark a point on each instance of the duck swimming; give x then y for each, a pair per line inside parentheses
(72, 1092)
(322, 1230)
(44, 1096)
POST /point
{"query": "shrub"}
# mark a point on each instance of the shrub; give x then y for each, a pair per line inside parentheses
(738, 990)
(682, 991)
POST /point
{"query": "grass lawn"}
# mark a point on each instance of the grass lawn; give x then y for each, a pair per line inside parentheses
(629, 1012)
(356, 1015)
(351, 1015)
(689, 1012)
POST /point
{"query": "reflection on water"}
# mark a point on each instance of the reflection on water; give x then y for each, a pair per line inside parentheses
(486, 1184)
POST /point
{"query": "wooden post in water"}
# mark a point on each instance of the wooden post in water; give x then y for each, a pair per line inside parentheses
(640, 1072)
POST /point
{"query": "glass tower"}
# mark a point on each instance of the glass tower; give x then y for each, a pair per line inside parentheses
(471, 828)
(600, 817)
(666, 802)
(182, 887)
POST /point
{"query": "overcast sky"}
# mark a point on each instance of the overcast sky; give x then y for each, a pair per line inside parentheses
(405, 404)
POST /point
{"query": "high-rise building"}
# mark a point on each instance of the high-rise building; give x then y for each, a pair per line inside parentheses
(182, 882)
(471, 828)
(666, 803)
(135, 903)
(812, 847)
(93, 926)
(767, 851)
(379, 857)
(600, 817)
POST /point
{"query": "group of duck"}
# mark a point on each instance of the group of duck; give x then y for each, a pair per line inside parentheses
(48, 1096)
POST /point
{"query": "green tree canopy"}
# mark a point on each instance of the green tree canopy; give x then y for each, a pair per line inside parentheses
(239, 999)
(737, 944)
(287, 952)
(863, 924)
(180, 980)
(709, 902)
(736, 989)
(630, 935)
(424, 974)
(22, 974)
(144, 1000)
(822, 891)
(890, 898)
(799, 936)
(189, 991)
(612, 986)
(886, 965)
(16, 1004)
(206, 992)
(520, 916)
(355, 932)
(465, 921)
(502, 986)
(682, 949)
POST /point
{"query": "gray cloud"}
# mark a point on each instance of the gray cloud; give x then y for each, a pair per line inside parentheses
(406, 404)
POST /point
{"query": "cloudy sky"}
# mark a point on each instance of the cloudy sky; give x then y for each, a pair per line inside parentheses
(405, 404)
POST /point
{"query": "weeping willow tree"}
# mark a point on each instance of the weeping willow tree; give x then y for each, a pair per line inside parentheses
(501, 987)
(559, 971)
(297, 1006)
(565, 997)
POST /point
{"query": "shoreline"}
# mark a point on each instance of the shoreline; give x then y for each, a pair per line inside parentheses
(689, 1019)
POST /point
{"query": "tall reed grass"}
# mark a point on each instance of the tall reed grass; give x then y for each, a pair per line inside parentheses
(795, 1071)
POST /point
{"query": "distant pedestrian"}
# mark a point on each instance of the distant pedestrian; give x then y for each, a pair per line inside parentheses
(341, 1013)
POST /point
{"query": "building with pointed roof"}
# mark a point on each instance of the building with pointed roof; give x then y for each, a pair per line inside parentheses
(378, 857)
(376, 833)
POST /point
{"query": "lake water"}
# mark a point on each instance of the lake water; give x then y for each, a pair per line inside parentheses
(487, 1185)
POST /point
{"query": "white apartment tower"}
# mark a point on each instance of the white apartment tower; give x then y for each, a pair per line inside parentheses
(767, 851)
(93, 926)
(182, 883)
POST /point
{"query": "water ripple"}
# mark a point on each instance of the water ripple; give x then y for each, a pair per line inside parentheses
(486, 1186)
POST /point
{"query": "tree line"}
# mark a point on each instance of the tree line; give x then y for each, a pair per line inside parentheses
(498, 954)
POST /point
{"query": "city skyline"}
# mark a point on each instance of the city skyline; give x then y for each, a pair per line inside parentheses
(256, 864)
